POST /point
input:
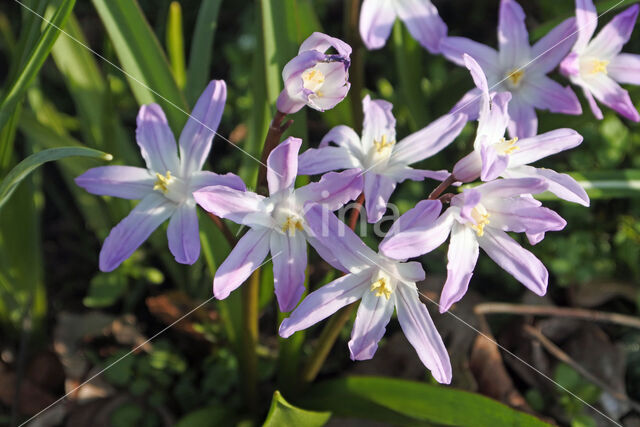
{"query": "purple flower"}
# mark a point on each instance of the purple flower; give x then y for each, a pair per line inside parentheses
(382, 284)
(520, 69)
(420, 16)
(278, 223)
(383, 162)
(165, 187)
(478, 218)
(494, 156)
(315, 78)
(598, 66)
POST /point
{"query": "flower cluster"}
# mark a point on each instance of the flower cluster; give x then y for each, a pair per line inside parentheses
(510, 84)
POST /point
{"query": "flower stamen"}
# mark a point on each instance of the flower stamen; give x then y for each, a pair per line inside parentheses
(507, 147)
(162, 182)
(313, 79)
(383, 144)
(380, 287)
(291, 225)
(515, 77)
(597, 66)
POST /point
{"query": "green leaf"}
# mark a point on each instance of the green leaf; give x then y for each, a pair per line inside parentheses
(282, 413)
(175, 43)
(34, 60)
(209, 416)
(147, 68)
(28, 165)
(407, 402)
(202, 49)
(105, 290)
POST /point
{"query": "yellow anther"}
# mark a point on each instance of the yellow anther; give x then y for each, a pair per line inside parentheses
(291, 225)
(480, 224)
(381, 287)
(515, 77)
(507, 147)
(382, 144)
(597, 66)
(313, 79)
(162, 182)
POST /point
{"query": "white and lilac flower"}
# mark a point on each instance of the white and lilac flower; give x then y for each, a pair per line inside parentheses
(314, 77)
(597, 66)
(478, 218)
(420, 16)
(278, 223)
(165, 187)
(520, 69)
(382, 285)
(494, 156)
(383, 162)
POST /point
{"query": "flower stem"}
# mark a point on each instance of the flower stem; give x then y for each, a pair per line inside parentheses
(226, 232)
(443, 186)
(335, 324)
(250, 340)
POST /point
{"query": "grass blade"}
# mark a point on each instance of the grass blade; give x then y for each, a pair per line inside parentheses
(175, 44)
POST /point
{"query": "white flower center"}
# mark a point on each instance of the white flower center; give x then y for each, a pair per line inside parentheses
(481, 217)
(173, 188)
(313, 79)
(593, 66)
(506, 146)
(514, 78)
(382, 285)
(286, 214)
(379, 153)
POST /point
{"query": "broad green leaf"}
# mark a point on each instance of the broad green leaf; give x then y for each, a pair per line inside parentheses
(175, 43)
(34, 60)
(202, 49)
(404, 402)
(141, 56)
(28, 165)
(282, 413)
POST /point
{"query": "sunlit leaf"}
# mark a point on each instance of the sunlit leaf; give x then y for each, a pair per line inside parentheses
(282, 413)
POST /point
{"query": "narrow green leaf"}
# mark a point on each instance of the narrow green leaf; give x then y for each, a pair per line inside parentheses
(33, 63)
(202, 49)
(282, 413)
(141, 56)
(28, 165)
(175, 43)
(408, 402)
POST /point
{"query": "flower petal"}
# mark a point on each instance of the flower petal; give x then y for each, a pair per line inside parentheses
(183, 234)
(315, 161)
(322, 42)
(325, 301)
(625, 68)
(607, 91)
(243, 260)
(560, 184)
(288, 268)
(376, 20)
(282, 165)
(523, 121)
(156, 141)
(462, 255)
(454, 49)
(614, 35)
(134, 229)
(547, 94)
(513, 37)
(371, 322)
(515, 260)
(469, 104)
(592, 103)
(551, 49)
(378, 121)
(511, 187)
(541, 146)
(587, 21)
(126, 182)
(523, 215)
(423, 22)
(429, 140)
(242, 207)
(493, 163)
(201, 179)
(334, 189)
(377, 190)
(492, 123)
(422, 333)
(343, 136)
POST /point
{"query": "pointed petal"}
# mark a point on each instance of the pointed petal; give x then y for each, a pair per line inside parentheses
(614, 35)
(423, 22)
(625, 68)
(541, 146)
(429, 140)
(400, 173)
(515, 260)
(322, 42)
(469, 104)
(492, 123)
(282, 165)
(454, 48)
(243, 260)
(523, 215)
(134, 229)
(325, 301)
(156, 141)
(523, 122)
(597, 112)
(343, 136)
(607, 91)
(371, 322)
(315, 161)
(378, 121)
(468, 168)
(551, 49)
(183, 235)
(198, 133)
(376, 20)
(493, 163)
(326, 254)
(242, 207)
(201, 179)
(334, 189)
(501, 188)
(513, 37)
(377, 190)
(288, 268)
(560, 184)
(417, 232)
(547, 94)
(422, 333)
(462, 255)
(587, 21)
(126, 182)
